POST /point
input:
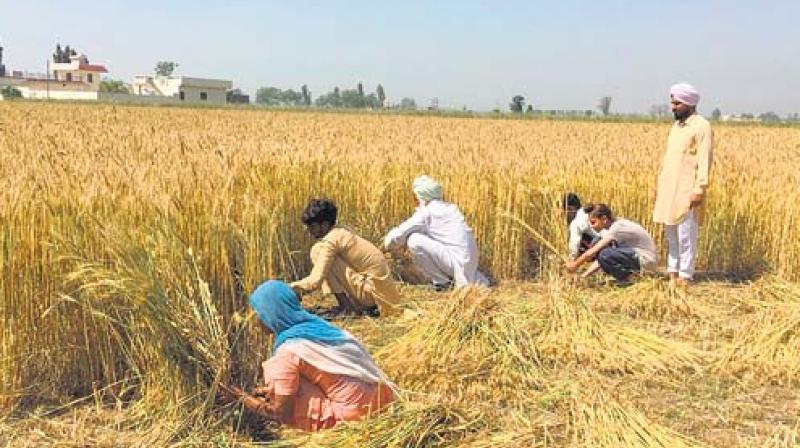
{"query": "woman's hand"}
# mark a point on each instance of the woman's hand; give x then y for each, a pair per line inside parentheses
(229, 394)
(262, 392)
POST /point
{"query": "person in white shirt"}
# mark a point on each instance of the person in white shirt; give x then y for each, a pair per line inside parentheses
(440, 241)
(625, 249)
(581, 234)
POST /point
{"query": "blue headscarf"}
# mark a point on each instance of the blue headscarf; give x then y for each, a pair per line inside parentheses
(279, 309)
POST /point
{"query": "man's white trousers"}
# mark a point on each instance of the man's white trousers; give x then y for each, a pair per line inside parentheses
(440, 264)
(682, 246)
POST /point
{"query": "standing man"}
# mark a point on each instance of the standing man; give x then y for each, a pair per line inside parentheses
(683, 182)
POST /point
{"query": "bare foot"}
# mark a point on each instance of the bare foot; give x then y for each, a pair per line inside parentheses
(683, 282)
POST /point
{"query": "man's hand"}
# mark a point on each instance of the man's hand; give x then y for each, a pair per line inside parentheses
(695, 200)
(571, 266)
(655, 194)
(298, 291)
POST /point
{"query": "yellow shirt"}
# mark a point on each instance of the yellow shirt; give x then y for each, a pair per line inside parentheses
(359, 255)
(684, 170)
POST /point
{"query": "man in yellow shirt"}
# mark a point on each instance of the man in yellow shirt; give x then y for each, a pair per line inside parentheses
(683, 181)
(346, 265)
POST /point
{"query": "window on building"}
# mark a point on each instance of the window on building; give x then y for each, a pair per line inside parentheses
(89, 78)
(69, 76)
(182, 95)
(203, 96)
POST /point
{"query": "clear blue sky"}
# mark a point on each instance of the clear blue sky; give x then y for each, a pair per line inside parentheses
(744, 56)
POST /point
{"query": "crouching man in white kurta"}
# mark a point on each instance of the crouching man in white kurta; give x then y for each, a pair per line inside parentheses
(439, 239)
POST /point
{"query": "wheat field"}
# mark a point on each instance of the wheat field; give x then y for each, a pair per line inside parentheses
(130, 236)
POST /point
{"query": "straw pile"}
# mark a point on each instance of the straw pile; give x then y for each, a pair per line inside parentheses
(575, 335)
(468, 345)
(766, 347)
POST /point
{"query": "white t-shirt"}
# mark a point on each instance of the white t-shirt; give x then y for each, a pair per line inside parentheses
(629, 234)
(577, 228)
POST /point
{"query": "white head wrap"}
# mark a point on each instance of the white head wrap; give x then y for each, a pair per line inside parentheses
(685, 93)
(426, 188)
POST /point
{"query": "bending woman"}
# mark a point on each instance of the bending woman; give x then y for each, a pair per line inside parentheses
(318, 375)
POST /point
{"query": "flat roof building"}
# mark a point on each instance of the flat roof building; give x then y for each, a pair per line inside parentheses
(182, 88)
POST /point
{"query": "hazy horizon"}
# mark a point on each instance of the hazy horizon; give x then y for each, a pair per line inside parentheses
(742, 57)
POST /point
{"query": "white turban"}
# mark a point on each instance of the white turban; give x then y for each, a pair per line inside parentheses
(685, 93)
(426, 188)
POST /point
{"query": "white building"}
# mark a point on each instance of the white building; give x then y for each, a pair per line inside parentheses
(74, 80)
(78, 69)
(182, 88)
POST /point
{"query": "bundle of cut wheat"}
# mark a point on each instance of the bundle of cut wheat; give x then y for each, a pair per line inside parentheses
(574, 334)
(767, 345)
(404, 425)
(467, 346)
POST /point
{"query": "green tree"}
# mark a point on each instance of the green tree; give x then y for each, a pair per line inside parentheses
(62, 56)
(348, 99)
(716, 114)
(769, 117)
(381, 95)
(165, 68)
(360, 92)
(269, 96)
(236, 96)
(330, 99)
(2, 67)
(306, 94)
(291, 98)
(113, 86)
(408, 104)
(10, 93)
(352, 99)
(371, 101)
(604, 104)
(273, 96)
(337, 97)
(517, 104)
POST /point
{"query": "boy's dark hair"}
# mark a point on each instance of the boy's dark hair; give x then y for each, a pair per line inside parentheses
(571, 200)
(599, 211)
(320, 210)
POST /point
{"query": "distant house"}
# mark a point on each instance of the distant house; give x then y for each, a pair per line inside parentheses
(78, 69)
(74, 80)
(78, 79)
(182, 88)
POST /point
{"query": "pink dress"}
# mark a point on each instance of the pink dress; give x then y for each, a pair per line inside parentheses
(322, 399)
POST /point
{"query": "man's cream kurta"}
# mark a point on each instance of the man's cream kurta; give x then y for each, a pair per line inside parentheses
(346, 263)
(684, 170)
